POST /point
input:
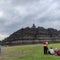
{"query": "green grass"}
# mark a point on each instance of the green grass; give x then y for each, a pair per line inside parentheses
(27, 52)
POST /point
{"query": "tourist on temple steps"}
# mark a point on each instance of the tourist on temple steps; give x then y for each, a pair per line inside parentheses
(45, 46)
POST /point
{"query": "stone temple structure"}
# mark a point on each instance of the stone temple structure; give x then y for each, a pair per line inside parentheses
(32, 35)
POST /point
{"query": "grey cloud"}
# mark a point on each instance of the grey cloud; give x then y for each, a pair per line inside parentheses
(22, 13)
(24, 2)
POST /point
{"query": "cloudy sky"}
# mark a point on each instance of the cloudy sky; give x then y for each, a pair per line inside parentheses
(15, 14)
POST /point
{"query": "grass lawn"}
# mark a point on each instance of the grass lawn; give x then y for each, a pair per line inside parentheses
(27, 52)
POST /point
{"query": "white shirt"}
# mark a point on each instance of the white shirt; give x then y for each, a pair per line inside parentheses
(51, 51)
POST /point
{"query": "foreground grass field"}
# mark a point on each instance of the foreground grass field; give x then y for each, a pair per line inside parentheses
(27, 52)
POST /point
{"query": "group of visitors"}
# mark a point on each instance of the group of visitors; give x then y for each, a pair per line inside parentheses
(50, 50)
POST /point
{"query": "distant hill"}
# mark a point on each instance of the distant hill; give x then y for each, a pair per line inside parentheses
(31, 35)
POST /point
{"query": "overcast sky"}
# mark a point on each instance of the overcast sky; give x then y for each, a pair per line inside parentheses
(15, 14)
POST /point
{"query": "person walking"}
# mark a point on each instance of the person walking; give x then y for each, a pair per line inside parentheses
(45, 46)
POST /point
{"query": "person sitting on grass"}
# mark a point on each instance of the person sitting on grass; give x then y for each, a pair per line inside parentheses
(51, 51)
(55, 51)
(58, 52)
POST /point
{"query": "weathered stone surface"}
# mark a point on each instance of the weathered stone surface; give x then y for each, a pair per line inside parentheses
(32, 35)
